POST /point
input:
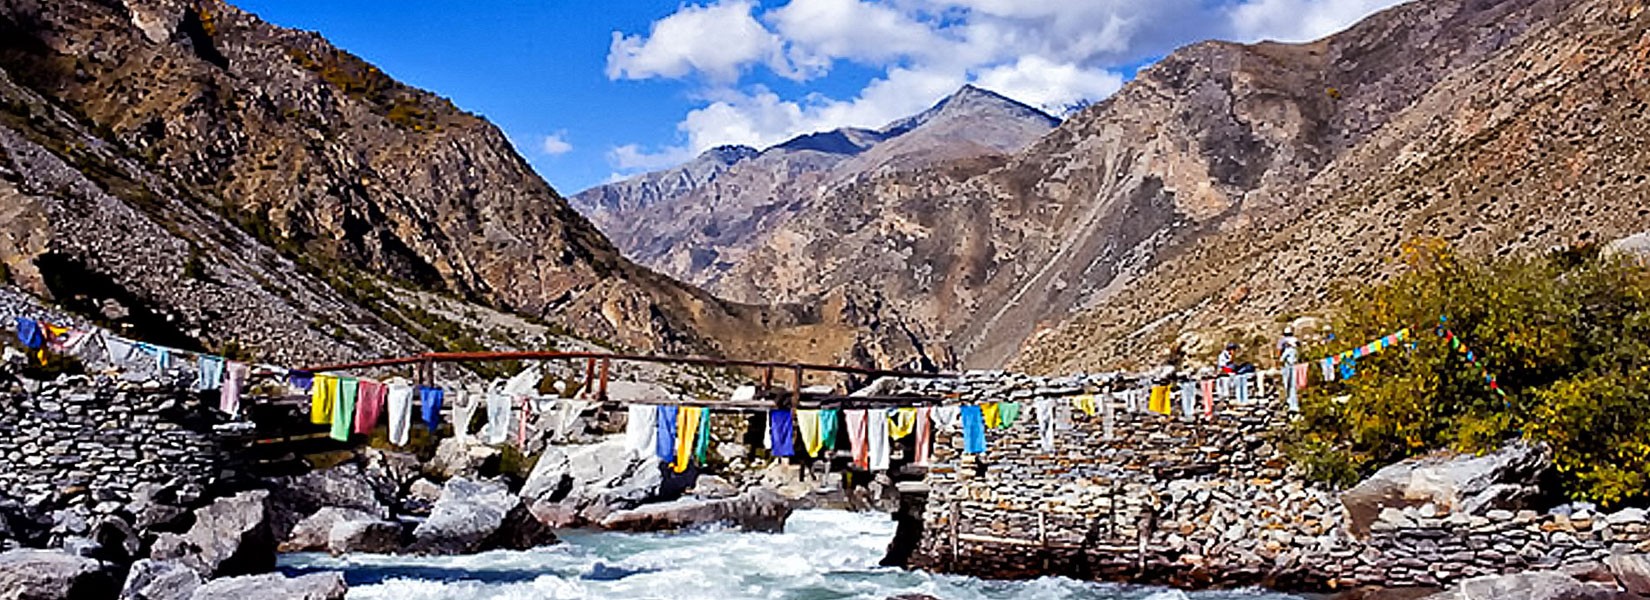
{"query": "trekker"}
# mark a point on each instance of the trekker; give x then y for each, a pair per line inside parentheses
(1226, 357)
(1288, 354)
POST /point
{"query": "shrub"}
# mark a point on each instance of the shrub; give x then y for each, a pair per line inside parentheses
(1566, 335)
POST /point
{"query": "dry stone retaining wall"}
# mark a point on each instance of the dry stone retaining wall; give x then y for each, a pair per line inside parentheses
(1204, 502)
(76, 440)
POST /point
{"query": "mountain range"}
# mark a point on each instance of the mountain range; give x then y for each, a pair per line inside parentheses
(697, 221)
(1227, 188)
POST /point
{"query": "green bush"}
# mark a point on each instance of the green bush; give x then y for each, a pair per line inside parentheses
(1566, 335)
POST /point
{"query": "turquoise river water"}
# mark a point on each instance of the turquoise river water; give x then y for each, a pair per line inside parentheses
(823, 555)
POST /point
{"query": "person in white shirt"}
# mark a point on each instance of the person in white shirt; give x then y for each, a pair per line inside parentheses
(1288, 355)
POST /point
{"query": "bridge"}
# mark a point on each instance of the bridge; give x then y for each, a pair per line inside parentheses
(597, 366)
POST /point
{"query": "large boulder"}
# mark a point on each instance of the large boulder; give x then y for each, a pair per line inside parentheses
(67, 523)
(51, 575)
(232, 536)
(116, 540)
(160, 580)
(364, 537)
(1531, 585)
(1632, 571)
(347, 485)
(713, 487)
(1634, 247)
(592, 481)
(17, 524)
(390, 471)
(313, 533)
(10, 509)
(1505, 479)
(467, 458)
(344, 530)
(157, 508)
(475, 516)
(757, 509)
(274, 586)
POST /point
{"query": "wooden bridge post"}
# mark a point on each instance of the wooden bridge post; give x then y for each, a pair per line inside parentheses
(1042, 537)
(601, 389)
(796, 386)
(589, 376)
(767, 378)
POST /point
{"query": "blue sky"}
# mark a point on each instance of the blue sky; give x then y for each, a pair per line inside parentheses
(591, 91)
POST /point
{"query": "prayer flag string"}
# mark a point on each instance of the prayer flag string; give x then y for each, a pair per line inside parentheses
(1344, 365)
(1456, 344)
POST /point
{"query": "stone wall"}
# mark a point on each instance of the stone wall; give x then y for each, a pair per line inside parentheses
(95, 442)
(1206, 502)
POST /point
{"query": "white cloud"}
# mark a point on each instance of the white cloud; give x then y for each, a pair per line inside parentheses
(1299, 20)
(1089, 32)
(632, 158)
(820, 31)
(717, 40)
(761, 118)
(555, 144)
(1047, 53)
(1049, 85)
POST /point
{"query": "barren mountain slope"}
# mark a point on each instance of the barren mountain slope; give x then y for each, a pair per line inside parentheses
(1536, 146)
(1200, 143)
(338, 169)
(703, 231)
(608, 205)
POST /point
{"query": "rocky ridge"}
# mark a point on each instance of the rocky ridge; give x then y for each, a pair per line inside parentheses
(1491, 153)
(701, 231)
(153, 142)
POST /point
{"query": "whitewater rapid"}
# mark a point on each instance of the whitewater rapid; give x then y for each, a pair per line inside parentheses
(823, 555)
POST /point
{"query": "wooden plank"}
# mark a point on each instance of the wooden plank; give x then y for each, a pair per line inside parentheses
(682, 360)
(292, 438)
(1008, 541)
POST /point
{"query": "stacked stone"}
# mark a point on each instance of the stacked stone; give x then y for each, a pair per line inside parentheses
(1420, 546)
(1198, 501)
(96, 443)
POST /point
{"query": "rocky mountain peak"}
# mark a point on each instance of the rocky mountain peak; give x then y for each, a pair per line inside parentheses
(728, 154)
(845, 141)
(970, 102)
(696, 227)
(601, 203)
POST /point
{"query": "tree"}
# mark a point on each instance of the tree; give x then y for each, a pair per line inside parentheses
(1566, 337)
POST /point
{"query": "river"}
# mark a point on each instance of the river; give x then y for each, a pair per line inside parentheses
(823, 555)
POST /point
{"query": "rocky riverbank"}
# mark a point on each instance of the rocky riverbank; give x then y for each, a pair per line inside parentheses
(132, 485)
